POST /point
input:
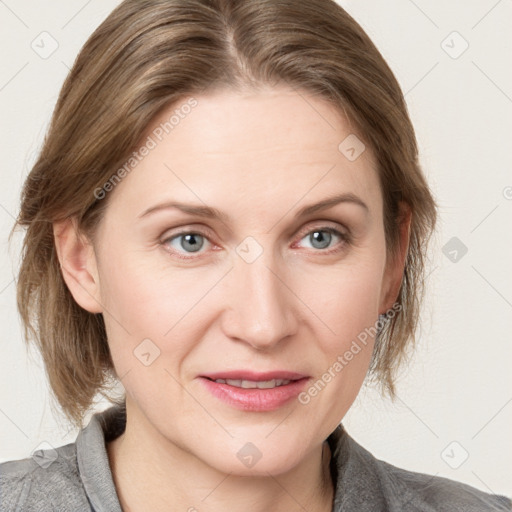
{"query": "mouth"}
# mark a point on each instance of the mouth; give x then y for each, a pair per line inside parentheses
(252, 384)
(250, 391)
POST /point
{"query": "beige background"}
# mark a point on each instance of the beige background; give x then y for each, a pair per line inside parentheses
(455, 399)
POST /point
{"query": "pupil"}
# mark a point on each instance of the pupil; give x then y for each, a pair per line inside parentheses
(194, 245)
(321, 237)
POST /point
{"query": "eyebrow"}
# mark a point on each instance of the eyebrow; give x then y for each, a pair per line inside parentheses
(214, 213)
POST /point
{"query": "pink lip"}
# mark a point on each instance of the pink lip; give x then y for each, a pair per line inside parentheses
(256, 400)
(254, 376)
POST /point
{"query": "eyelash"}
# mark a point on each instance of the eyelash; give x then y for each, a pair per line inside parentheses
(345, 239)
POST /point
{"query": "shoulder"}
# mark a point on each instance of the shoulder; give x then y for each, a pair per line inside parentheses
(47, 481)
(366, 483)
(416, 491)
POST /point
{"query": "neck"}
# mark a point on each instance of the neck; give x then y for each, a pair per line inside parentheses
(150, 472)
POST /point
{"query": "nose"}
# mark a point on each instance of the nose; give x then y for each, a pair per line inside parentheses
(262, 307)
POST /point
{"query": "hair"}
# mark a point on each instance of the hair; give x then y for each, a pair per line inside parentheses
(150, 54)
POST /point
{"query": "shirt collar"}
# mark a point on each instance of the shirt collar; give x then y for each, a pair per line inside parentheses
(93, 462)
(353, 470)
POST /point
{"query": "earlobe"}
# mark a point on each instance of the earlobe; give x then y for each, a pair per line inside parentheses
(78, 265)
(395, 267)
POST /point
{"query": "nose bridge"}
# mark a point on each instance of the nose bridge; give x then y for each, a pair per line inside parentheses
(262, 305)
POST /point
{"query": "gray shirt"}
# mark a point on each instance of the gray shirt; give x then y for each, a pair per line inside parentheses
(77, 477)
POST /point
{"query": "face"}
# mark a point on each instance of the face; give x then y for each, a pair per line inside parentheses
(260, 295)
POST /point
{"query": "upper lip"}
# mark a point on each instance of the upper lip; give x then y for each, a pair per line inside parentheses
(254, 376)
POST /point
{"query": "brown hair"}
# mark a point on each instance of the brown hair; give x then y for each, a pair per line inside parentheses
(149, 54)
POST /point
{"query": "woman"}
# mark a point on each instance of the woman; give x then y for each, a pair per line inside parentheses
(228, 217)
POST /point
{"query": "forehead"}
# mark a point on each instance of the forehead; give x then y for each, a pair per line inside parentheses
(268, 149)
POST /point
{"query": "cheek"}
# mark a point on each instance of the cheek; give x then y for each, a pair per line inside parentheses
(346, 298)
(145, 298)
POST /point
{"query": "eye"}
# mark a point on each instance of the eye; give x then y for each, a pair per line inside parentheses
(322, 237)
(185, 242)
(191, 242)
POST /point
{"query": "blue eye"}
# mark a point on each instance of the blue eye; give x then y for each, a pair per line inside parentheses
(321, 238)
(190, 242)
(185, 244)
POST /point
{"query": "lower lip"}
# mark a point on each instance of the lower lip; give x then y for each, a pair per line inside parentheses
(255, 399)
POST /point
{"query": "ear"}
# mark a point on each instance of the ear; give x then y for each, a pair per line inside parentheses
(396, 263)
(78, 265)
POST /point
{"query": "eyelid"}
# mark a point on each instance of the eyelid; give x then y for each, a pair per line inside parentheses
(343, 233)
(205, 231)
(186, 230)
(320, 225)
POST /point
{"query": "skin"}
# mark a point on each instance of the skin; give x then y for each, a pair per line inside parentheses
(259, 157)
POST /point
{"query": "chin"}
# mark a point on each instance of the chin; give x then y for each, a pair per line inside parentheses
(259, 458)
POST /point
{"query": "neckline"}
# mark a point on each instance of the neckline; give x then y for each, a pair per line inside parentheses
(107, 425)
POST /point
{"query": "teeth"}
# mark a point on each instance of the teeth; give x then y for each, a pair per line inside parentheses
(250, 384)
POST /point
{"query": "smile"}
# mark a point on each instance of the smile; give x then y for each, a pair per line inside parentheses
(249, 384)
(256, 392)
